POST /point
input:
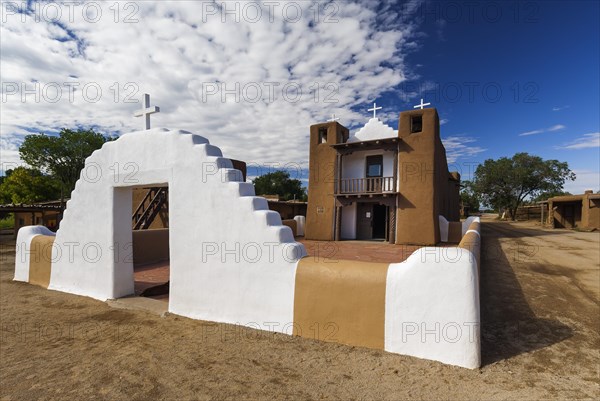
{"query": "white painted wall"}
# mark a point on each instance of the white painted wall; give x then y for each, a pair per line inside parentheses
(355, 164)
(348, 230)
(444, 227)
(432, 306)
(300, 225)
(231, 258)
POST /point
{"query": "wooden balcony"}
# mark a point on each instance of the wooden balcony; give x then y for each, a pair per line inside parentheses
(365, 186)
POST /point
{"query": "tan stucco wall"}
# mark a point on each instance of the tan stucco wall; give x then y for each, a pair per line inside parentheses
(292, 224)
(593, 213)
(418, 209)
(288, 210)
(341, 302)
(320, 213)
(150, 246)
(40, 260)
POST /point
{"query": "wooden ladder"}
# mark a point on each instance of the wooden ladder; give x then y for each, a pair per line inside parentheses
(149, 207)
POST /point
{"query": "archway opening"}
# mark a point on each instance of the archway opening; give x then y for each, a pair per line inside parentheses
(150, 240)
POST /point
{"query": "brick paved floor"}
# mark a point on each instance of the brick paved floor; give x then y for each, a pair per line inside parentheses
(150, 275)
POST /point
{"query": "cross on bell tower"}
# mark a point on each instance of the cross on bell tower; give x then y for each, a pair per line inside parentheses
(374, 109)
(147, 110)
(422, 105)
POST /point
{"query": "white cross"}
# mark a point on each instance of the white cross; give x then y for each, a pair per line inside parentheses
(374, 109)
(334, 118)
(421, 105)
(147, 110)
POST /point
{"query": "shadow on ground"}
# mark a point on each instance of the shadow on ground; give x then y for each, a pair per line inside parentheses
(508, 325)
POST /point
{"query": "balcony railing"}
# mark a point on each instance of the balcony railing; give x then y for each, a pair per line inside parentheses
(372, 185)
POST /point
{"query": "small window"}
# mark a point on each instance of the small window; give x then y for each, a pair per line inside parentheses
(21, 222)
(375, 166)
(323, 135)
(416, 124)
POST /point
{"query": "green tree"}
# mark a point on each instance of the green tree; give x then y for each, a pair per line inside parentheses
(507, 182)
(470, 199)
(549, 194)
(61, 156)
(279, 183)
(27, 185)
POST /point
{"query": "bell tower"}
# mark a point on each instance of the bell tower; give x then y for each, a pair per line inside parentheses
(320, 213)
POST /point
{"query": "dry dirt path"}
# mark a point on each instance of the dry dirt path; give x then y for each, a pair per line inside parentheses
(540, 315)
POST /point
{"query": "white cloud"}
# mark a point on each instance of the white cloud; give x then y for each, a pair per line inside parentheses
(534, 132)
(591, 140)
(559, 108)
(9, 152)
(444, 121)
(586, 179)
(459, 147)
(554, 128)
(179, 50)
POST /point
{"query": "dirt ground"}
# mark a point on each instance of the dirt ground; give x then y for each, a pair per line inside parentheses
(540, 306)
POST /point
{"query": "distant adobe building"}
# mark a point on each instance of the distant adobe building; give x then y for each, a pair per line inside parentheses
(379, 184)
(575, 211)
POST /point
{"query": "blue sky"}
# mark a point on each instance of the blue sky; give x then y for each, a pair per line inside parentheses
(505, 77)
(498, 70)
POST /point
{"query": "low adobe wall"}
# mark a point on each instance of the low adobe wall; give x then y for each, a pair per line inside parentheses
(296, 224)
(150, 246)
(426, 306)
(453, 231)
(292, 224)
(33, 261)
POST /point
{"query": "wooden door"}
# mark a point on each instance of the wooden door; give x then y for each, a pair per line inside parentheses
(364, 221)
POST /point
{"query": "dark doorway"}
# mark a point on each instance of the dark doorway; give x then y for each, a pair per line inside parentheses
(379, 222)
(569, 214)
(371, 221)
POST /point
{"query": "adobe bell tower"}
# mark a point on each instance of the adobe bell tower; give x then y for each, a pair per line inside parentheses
(320, 213)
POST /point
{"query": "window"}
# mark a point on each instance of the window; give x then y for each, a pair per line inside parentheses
(416, 124)
(375, 166)
(323, 135)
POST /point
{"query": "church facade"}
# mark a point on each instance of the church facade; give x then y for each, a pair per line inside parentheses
(379, 184)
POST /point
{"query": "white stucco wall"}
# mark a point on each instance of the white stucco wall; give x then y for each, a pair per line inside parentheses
(444, 227)
(432, 307)
(231, 259)
(354, 165)
(348, 230)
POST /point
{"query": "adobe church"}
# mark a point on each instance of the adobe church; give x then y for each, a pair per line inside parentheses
(379, 184)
